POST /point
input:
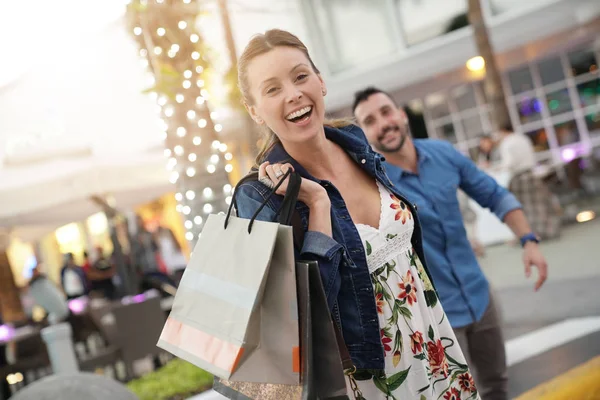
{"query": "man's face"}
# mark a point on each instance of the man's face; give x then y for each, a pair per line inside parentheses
(385, 126)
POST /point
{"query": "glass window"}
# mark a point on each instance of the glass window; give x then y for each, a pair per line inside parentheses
(501, 6)
(446, 132)
(346, 23)
(530, 110)
(592, 120)
(520, 80)
(582, 62)
(551, 71)
(425, 19)
(589, 93)
(464, 97)
(567, 133)
(539, 139)
(437, 105)
(559, 102)
(472, 126)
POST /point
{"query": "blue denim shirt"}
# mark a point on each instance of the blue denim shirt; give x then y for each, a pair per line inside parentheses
(341, 259)
(460, 283)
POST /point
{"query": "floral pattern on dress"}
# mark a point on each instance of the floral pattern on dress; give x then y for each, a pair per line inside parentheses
(419, 345)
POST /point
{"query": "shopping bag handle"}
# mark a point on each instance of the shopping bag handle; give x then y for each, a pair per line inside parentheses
(288, 205)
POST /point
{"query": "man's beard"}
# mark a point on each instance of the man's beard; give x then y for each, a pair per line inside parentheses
(387, 149)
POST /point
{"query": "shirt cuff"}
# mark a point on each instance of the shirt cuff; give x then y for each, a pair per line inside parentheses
(508, 203)
(319, 244)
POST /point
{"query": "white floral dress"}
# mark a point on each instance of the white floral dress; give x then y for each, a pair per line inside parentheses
(423, 360)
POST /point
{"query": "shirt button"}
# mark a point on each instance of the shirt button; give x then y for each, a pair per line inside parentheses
(363, 161)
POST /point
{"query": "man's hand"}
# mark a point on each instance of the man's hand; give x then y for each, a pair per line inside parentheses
(532, 256)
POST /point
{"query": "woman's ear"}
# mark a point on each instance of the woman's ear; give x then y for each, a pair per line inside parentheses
(253, 114)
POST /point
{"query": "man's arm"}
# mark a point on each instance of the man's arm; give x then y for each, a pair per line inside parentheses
(488, 193)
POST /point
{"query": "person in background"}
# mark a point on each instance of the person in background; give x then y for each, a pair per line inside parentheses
(73, 278)
(430, 172)
(488, 154)
(48, 296)
(101, 273)
(517, 157)
(171, 253)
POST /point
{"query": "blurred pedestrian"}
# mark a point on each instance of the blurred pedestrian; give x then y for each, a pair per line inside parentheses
(539, 204)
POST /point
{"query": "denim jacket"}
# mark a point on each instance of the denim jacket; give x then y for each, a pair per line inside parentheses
(341, 259)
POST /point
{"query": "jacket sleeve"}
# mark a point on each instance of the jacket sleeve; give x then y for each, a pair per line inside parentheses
(316, 246)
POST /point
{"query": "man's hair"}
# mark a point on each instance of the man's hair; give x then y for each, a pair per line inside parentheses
(507, 127)
(363, 95)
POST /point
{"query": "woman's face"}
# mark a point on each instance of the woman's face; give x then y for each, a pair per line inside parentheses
(287, 94)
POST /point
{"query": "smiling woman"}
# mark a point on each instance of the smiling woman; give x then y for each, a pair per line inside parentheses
(364, 235)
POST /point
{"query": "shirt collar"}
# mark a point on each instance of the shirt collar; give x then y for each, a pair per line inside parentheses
(422, 156)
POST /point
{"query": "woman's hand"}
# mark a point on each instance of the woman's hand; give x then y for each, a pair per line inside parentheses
(311, 193)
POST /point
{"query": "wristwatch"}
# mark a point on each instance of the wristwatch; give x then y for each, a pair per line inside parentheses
(529, 237)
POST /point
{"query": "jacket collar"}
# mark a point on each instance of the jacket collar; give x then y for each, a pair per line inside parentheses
(351, 138)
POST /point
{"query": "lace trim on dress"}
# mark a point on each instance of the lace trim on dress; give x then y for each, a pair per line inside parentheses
(396, 245)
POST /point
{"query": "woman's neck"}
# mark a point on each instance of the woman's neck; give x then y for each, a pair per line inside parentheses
(318, 156)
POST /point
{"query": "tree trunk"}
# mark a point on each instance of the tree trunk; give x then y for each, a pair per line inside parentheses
(11, 308)
(492, 83)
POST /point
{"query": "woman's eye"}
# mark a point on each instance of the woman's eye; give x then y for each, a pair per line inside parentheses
(301, 77)
(271, 90)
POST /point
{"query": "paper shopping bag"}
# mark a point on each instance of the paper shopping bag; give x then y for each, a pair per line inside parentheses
(235, 311)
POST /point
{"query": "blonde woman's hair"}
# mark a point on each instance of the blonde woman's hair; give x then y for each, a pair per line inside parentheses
(261, 44)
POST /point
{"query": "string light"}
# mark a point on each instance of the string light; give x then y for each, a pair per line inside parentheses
(214, 158)
(137, 31)
(197, 220)
(178, 150)
(187, 74)
(200, 83)
(191, 114)
(197, 140)
(199, 100)
(143, 53)
(158, 50)
(211, 169)
(187, 210)
(162, 100)
(167, 152)
(178, 196)
(227, 188)
(189, 236)
(216, 144)
(228, 200)
(169, 111)
(190, 195)
(174, 177)
(161, 31)
(182, 24)
(181, 131)
(229, 168)
(189, 224)
(194, 38)
(175, 47)
(192, 157)
(207, 208)
(229, 156)
(195, 55)
(223, 148)
(207, 192)
(218, 127)
(179, 98)
(202, 123)
(171, 163)
(191, 171)
(186, 84)
(199, 69)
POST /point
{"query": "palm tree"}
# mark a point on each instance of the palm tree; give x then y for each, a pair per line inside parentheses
(492, 83)
(11, 308)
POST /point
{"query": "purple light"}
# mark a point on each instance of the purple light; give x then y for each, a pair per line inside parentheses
(568, 155)
(6, 333)
(138, 298)
(78, 305)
